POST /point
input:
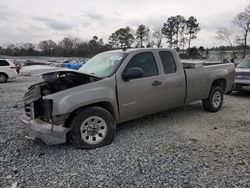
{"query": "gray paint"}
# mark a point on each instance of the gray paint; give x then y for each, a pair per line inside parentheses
(138, 97)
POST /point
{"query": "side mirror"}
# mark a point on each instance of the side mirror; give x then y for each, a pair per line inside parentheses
(132, 73)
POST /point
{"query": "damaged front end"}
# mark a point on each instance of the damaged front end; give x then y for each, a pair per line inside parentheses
(39, 120)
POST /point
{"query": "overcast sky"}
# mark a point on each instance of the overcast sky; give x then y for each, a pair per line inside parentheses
(36, 20)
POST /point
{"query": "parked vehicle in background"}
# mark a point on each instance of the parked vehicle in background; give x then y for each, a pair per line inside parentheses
(84, 106)
(8, 70)
(73, 66)
(242, 77)
(33, 70)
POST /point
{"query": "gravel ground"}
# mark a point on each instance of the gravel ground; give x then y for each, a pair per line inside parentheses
(184, 147)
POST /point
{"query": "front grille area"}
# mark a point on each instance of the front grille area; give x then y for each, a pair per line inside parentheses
(32, 95)
(29, 110)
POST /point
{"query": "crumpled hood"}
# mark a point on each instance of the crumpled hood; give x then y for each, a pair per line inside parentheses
(48, 75)
(54, 71)
(56, 81)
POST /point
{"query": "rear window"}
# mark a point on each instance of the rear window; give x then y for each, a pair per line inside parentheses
(4, 63)
(168, 62)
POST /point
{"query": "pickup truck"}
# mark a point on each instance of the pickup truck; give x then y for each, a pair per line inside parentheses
(83, 107)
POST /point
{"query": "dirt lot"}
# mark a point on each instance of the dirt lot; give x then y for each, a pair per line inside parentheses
(184, 147)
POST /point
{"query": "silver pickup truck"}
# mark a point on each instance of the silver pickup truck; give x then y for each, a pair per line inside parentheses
(83, 107)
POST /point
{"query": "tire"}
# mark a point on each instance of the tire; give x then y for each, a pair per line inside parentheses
(92, 128)
(3, 78)
(215, 99)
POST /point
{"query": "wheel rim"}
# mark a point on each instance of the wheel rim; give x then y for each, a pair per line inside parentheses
(2, 78)
(93, 130)
(217, 99)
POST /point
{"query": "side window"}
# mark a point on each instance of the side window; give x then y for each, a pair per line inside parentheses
(4, 63)
(168, 62)
(146, 62)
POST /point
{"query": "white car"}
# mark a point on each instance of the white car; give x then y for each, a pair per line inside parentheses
(7, 70)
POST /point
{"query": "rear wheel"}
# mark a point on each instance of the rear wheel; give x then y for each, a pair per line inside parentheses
(3, 78)
(91, 128)
(215, 99)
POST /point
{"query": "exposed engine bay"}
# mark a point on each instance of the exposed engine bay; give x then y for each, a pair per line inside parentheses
(59, 81)
(37, 107)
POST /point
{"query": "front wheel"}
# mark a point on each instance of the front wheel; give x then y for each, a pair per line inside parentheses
(215, 100)
(3, 78)
(91, 128)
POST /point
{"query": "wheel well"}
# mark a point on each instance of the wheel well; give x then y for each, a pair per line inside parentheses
(5, 74)
(221, 83)
(106, 105)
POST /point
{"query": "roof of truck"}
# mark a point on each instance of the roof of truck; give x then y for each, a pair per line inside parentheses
(138, 49)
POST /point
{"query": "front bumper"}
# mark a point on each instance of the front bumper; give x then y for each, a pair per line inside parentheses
(48, 133)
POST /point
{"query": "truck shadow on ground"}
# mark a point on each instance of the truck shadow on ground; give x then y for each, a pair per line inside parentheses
(245, 94)
(132, 127)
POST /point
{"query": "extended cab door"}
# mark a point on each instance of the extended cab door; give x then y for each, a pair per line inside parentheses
(141, 96)
(174, 81)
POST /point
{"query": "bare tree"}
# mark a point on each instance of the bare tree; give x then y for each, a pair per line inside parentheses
(158, 36)
(222, 52)
(242, 20)
(225, 35)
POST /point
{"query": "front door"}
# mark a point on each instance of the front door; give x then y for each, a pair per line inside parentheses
(141, 96)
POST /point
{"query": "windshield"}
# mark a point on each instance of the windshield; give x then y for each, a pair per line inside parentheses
(103, 65)
(245, 63)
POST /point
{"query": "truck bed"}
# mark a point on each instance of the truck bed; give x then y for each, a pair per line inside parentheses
(199, 79)
(192, 64)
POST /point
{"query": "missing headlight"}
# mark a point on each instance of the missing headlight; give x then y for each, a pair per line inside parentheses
(44, 109)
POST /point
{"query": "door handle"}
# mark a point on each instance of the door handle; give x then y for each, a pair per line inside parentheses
(156, 83)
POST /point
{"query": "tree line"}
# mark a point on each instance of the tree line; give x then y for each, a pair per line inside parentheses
(176, 33)
(68, 47)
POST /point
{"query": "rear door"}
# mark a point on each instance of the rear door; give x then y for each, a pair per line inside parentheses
(141, 96)
(174, 86)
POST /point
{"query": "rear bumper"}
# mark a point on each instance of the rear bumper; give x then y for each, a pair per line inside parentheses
(48, 133)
